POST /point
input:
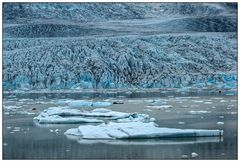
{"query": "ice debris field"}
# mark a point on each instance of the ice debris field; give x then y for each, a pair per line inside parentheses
(115, 125)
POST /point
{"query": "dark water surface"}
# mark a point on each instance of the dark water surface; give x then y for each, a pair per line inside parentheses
(32, 141)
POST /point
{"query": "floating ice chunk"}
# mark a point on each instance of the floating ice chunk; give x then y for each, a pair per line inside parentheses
(220, 123)
(194, 154)
(221, 117)
(147, 110)
(181, 122)
(232, 113)
(229, 94)
(197, 101)
(136, 130)
(207, 102)
(135, 117)
(83, 103)
(199, 112)
(161, 107)
(184, 156)
(223, 101)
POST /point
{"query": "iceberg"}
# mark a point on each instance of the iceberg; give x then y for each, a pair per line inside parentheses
(60, 115)
(114, 130)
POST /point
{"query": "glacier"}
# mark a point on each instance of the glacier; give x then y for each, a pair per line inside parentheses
(119, 45)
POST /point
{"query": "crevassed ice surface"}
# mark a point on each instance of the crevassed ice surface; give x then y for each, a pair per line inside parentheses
(119, 45)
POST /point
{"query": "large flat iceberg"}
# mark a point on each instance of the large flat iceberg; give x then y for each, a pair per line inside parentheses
(60, 115)
(136, 130)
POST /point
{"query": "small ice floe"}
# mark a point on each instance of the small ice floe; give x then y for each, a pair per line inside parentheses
(221, 117)
(181, 122)
(229, 94)
(56, 130)
(223, 101)
(5, 144)
(185, 106)
(161, 107)
(16, 129)
(184, 156)
(232, 113)
(213, 107)
(220, 123)
(233, 100)
(194, 154)
(198, 101)
(136, 130)
(8, 127)
(179, 102)
(83, 103)
(208, 103)
(135, 117)
(148, 101)
(128, 92)
(199, 112)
